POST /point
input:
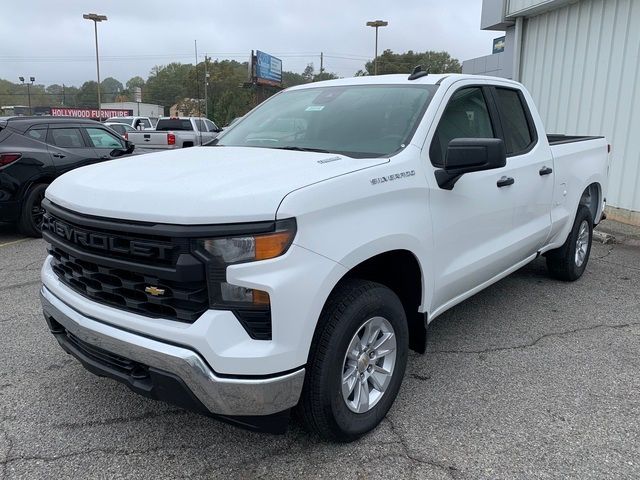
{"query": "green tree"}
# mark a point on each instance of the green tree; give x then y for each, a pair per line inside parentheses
(87, 96)
(110, 88)
(435, 62)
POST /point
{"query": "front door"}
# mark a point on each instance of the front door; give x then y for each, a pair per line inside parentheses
(472, 223)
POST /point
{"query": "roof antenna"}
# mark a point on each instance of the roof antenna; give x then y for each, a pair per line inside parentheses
(418, 72)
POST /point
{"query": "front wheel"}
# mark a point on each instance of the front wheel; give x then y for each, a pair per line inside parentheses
(357, 361)
(570, 260)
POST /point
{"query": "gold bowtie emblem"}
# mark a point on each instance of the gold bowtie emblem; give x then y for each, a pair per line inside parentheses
(155, 291)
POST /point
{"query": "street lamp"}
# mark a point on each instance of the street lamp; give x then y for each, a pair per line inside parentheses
(95, 18)
(28, 84)
(376, 24)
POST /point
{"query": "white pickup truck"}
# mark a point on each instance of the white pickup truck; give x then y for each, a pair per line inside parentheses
(295, 262)
(176, 132)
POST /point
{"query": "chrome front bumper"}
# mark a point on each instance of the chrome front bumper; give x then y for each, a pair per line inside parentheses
(220, 395)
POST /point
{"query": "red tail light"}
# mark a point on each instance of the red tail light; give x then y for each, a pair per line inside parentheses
(125, 135)
(171, 139)
(7, 158)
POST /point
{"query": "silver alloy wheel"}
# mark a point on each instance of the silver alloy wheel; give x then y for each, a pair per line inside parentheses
(582, 244)
(368, 364)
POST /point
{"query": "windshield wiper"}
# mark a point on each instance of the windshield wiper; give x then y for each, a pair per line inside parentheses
(301, 149)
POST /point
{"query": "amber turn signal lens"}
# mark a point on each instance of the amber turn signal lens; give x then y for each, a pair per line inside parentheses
(260, 297)
(272, 245)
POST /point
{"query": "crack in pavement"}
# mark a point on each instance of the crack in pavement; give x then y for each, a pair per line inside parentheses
(449, 469)
(537, 340)
(104, 450)
(605, 255)
(19, 285)
(118, 420)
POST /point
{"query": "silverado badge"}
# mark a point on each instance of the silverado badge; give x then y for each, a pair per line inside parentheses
(155, 291)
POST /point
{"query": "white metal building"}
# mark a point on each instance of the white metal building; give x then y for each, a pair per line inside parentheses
(580, 59)
(139, 109)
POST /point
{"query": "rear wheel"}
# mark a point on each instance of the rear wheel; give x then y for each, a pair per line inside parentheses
(570, 260)
(357, 361)
(31, 214)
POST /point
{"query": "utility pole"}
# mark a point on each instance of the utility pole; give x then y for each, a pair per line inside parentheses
(206, 88)
(321, 62)
(376, 24)
(63, 94)
(97, 18)
(195, 42)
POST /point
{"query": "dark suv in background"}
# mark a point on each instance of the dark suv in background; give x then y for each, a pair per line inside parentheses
(36, 150)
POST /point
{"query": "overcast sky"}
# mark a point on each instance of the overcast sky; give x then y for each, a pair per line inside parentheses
(50, 40)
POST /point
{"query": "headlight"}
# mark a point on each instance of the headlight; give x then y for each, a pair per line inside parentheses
(249, 248)
(251, 306)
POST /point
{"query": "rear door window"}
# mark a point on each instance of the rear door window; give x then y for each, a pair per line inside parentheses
(210, 125)
(66, 138)
(519, 133)
(200, 125)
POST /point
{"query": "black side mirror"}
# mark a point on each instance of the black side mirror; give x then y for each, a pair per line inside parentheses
(465, 155)
(129, 146)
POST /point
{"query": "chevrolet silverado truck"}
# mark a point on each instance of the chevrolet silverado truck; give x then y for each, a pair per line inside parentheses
(176, 132)
(296, 261)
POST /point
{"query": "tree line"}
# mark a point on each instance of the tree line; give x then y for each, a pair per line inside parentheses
(228, 93)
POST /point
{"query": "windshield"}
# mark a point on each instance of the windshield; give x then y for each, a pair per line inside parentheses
(358, 120)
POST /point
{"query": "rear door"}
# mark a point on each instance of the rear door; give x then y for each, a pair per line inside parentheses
(204, 135)
(68, 147)
(531, 165)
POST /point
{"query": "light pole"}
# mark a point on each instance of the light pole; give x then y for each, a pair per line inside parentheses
(28, 84)
(376, 24)
(95, 18)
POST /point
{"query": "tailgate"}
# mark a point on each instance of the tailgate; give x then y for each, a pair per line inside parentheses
(149, 139)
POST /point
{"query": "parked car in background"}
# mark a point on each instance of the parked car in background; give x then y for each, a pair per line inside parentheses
(296, 262)
(177, 132)
(122, 129)
(139, 123)
(36, 150)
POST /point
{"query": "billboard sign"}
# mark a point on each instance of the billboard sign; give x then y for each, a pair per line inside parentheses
(90, 112)
(498, 44)
(268, 70)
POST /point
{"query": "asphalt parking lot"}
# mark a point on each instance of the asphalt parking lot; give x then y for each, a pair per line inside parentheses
(532, 378)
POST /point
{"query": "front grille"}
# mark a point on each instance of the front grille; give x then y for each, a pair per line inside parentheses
(125, 288)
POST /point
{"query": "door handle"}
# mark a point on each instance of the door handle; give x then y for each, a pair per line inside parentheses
(545, 171)
(59, 155)
(505, 181)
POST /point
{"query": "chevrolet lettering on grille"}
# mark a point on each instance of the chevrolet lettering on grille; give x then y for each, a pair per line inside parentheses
(106, 242)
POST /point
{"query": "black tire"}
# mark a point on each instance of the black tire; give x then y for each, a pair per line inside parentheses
(322, 407)
(562, 262)
(30, 221)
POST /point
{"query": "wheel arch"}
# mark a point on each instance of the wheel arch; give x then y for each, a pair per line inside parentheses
(591, 197)
(400, 271)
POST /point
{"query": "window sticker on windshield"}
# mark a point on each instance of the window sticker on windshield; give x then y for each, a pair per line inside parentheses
(314, 108)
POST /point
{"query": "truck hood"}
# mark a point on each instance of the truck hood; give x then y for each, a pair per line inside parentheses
(199, 185)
